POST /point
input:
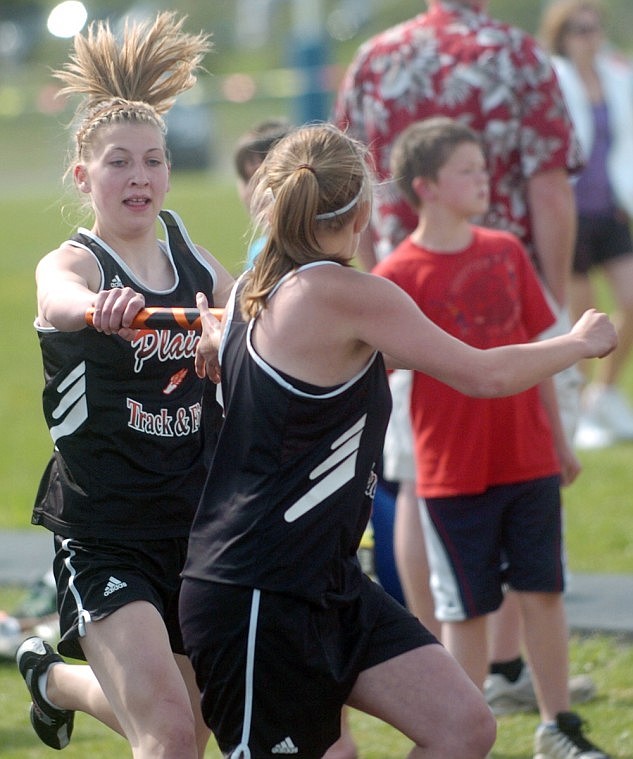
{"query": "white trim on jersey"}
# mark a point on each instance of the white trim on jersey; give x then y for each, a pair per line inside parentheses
(124, 266)
(228, 319)
(190, 243)
(165, 247)
(274, 374)
(267, 368)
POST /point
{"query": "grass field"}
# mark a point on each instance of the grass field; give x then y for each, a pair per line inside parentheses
(608, 660)
(599, 513)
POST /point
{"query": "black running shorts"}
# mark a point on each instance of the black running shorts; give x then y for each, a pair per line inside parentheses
(274, 671)
(601, 239)
(97, 577)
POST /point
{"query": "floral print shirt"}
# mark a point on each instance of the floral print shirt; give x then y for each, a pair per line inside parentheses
(455, 61)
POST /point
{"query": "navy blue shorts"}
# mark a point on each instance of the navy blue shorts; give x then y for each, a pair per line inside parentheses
(477, 544)
(601, 239)
(275, 671)
(96, 577)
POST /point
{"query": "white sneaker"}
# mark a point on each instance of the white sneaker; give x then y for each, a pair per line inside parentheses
(11, 636)
(608, 408)
(506, 697)
(590, 436)
(565, 740)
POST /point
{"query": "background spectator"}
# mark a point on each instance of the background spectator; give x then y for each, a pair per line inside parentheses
(457, 61)
(598, 88)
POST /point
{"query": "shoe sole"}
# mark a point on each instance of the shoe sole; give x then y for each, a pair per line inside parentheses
(502, 706)
(63, 734)
(54, 731)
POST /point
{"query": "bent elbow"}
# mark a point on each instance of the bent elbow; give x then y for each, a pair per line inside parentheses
(491, 385)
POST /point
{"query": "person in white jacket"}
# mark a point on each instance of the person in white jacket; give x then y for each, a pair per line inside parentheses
(598, 87)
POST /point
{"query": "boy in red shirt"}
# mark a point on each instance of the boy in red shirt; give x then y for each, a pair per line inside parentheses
(489, 471)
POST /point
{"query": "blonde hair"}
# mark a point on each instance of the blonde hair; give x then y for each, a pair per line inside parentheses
(134, 79)
(555, 21)
(314, 178)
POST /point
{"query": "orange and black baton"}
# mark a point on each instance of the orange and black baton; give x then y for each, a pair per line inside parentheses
(158, 317)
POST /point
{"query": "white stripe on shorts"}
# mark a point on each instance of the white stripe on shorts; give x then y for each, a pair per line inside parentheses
(243, 751)
(444, 586)
(83, 616)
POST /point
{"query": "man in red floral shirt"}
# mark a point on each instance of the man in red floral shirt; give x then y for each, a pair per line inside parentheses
(455, 60)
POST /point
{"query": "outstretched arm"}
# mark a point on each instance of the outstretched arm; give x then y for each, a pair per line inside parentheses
(67, 286)
(386, 318)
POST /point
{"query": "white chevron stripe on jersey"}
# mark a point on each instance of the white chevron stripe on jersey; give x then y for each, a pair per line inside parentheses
(74, 398)
(342, 466)
(349, 441)
(75, 383)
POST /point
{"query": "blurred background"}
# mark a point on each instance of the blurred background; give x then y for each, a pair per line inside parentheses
(271, 58)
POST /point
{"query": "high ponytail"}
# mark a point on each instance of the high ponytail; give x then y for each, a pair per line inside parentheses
(314, 178)
(132, 79)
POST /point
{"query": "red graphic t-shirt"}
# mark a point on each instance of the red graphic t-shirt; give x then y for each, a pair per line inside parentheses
(486, 295)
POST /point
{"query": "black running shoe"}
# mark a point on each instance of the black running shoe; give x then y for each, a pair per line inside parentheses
(53, 726)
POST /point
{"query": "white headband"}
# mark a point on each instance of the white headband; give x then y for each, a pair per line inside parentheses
(340, 211)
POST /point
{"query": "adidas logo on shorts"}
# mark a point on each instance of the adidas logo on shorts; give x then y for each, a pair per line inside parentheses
(285, 747)
(113, 585)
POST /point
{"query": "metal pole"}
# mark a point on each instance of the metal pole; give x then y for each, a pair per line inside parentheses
(310, 58)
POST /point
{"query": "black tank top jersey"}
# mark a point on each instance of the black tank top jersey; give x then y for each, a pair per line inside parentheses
(293, 478)
(128, 418)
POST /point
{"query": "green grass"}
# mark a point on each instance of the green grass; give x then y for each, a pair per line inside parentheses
(599, 517)
(608, 660)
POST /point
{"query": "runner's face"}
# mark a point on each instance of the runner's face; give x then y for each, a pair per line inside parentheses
(127, 175)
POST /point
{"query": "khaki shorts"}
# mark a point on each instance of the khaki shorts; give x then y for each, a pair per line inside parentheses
(569, 382)
(398, 451)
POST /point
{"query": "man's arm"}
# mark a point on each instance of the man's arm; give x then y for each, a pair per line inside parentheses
(553, 219)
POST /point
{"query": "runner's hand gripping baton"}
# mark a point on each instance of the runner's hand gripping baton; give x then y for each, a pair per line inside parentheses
(165, 318)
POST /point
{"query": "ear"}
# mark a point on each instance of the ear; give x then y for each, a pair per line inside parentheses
(424, 188)
(362, 218)
(80, 176)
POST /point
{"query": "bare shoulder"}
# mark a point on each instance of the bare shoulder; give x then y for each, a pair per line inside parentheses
(69, 256)
(72, 261)
(348, 282)
(346, 294)
(335, 288)
(363, 291)
(361, 305)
